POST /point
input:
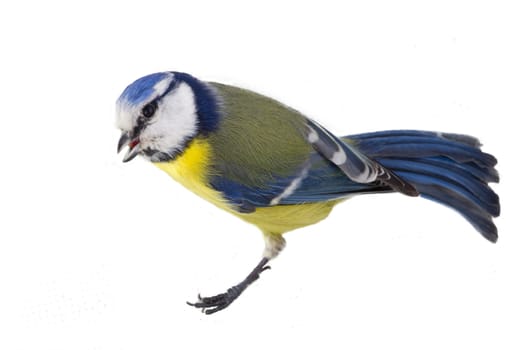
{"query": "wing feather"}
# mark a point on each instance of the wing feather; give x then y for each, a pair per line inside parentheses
(357, 166)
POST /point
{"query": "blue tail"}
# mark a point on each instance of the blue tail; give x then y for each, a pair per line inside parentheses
(447, 168)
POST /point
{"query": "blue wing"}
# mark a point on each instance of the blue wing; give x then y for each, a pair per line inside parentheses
(355, 164)
(447, 168)
(334, 169)
(316, 180)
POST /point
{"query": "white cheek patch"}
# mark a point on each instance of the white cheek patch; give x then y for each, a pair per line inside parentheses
(174, 123)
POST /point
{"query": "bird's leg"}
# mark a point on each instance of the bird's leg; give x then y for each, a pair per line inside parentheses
(210, 305)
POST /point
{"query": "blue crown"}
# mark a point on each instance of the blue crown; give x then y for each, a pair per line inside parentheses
(205, 98)
(142, 88)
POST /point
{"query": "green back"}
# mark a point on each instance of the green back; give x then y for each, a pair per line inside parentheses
(258, 139)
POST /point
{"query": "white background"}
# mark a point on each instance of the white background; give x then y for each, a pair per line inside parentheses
(97, 254)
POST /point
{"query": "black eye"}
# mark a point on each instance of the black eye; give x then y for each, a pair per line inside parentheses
(149, 109)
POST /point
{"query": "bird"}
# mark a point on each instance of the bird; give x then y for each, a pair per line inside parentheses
(271, 166)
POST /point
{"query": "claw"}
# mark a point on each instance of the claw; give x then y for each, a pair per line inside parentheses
(210, 305)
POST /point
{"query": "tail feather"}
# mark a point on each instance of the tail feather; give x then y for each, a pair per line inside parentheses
(460, 138)
(481, 221)
(428, 146)
(485, 175)
(447, 168)
(453, 179)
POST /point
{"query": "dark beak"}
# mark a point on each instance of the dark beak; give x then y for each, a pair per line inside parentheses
(133, 146)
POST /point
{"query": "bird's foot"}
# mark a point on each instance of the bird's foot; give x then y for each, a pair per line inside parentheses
(210, 305)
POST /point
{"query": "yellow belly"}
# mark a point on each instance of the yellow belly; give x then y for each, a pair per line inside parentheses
(190, 169)
(283, 218)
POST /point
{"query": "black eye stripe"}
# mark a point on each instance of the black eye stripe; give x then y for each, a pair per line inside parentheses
(150, 108)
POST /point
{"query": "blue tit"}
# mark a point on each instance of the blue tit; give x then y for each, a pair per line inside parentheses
(273, 167)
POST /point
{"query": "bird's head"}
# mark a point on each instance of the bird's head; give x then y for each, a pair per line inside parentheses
(161, 113)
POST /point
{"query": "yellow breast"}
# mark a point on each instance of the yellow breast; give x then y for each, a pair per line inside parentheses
(190, 169)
